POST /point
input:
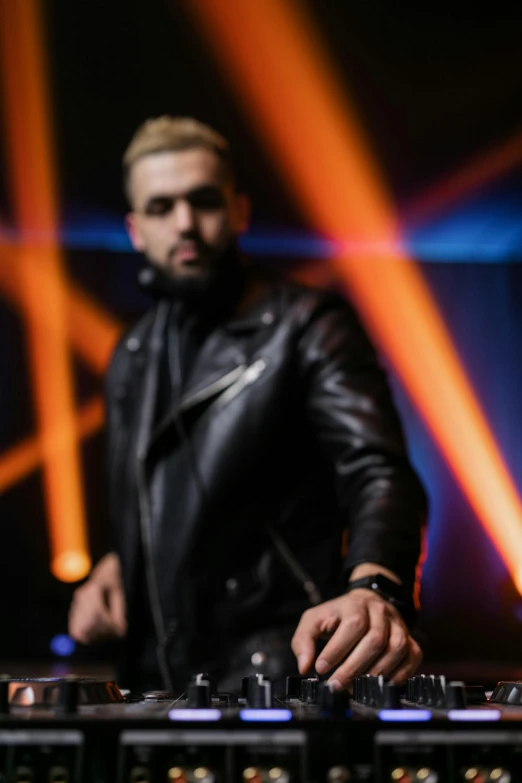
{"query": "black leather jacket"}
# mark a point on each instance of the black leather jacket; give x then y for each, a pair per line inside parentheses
(285, 436)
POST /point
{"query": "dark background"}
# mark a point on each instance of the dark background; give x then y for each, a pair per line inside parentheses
(435, 89)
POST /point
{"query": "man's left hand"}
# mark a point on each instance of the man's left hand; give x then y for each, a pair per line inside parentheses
(367, 635)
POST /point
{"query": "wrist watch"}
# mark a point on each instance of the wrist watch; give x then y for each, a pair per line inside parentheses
(395, 594)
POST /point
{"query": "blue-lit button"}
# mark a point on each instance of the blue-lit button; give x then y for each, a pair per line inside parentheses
(405, 715)
(477, 715)
(62, 645)
(265, 715)
(199, 715)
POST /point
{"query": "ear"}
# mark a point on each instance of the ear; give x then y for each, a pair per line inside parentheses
(243, 211)
(133, 230)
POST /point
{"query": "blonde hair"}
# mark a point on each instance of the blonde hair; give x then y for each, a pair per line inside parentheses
(173, 134)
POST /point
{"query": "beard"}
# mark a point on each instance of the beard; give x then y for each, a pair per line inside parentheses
(212, 291)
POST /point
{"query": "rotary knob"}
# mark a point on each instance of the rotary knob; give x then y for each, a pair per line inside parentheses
(455, 696)
(68, 695)
(259, 692)
(198, 694)
(309, 690)
(391, 696)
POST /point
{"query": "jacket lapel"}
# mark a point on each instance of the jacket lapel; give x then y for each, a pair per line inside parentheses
(221, 369)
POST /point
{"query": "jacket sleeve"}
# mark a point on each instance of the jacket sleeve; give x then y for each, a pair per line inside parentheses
(352, 413)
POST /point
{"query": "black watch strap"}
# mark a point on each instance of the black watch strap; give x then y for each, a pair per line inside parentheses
(395, 594)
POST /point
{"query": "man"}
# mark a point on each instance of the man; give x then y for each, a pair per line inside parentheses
(249, 425)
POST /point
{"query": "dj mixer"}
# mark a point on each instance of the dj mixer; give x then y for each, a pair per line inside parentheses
(432, 731)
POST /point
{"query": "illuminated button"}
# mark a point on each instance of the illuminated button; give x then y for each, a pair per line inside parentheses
(474, 775)
(427, 775)
(500, 775)
(401, 775)
(252, 775)
(278, 775)
(177, 775)
(204, 775)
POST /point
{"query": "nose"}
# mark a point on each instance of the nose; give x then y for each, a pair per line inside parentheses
(184, 216)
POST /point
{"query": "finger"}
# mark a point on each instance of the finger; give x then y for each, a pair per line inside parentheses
(117, 610)
(409, 666)
(351, 630)
(89, 617)
(370, 646)
(87, 628)
(313, 624)
(396, 653)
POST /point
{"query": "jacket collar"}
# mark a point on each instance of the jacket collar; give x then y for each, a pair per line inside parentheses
(220, 361)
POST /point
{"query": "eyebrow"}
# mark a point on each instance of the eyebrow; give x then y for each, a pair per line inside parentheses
(159, 197)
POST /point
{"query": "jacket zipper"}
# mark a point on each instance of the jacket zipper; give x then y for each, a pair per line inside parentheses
(248, 376)
(152, 582)
(145, 522)
(231, 383)
(214, 388)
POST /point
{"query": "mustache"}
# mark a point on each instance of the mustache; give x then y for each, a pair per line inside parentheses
(193, 238)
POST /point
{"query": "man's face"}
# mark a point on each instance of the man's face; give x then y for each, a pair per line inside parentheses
(185, 211)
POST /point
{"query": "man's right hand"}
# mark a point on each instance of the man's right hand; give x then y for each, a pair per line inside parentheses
(97, 612)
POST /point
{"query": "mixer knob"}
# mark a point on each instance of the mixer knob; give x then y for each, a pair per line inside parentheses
(455, 696)
(430, 690)
(356, 694)
(332, 701)
(293, 686)
(259, 692)
(391, 697)
(68, 694)
(338, 775)
(198, 694)
(440, 691)
(377, 690)
(309, 690)
(363, 689)
(419, 691)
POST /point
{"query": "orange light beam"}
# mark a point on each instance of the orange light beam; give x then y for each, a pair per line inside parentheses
(40, 277)
(90, 329)
(274, 59)
(22, 459)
